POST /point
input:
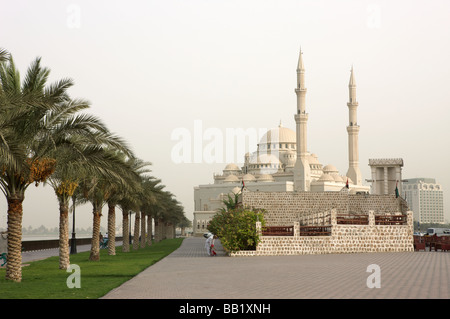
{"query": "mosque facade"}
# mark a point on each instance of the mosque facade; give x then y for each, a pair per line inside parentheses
(282, 163)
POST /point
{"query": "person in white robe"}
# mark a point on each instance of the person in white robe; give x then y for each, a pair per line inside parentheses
(209, 242)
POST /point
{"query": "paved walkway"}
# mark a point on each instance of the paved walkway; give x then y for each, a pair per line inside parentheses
(188, 273)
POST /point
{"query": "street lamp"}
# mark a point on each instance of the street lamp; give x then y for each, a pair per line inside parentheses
(73, 246)
(129, 233)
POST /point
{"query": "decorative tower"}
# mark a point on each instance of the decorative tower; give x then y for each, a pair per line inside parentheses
(302, 174)
(354, 173)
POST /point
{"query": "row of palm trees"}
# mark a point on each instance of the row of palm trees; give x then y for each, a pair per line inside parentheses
(45, 137)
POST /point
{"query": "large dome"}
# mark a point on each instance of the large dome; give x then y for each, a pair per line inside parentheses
(279, 134)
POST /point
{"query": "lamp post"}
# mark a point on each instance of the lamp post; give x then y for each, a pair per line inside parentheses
(129, 233)
(73, 246)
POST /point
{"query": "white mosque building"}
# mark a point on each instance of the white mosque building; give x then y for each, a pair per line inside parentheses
(282, 163)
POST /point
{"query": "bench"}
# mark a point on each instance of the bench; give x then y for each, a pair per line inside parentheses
(419, 243)
(443, 243)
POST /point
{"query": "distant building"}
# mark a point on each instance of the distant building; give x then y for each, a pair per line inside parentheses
(425, 198)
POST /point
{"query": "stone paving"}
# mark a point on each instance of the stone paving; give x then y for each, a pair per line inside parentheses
(188, 273)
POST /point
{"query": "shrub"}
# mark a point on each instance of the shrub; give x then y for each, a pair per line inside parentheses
(236, 228)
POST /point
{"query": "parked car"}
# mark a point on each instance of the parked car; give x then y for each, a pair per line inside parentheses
(206, 235)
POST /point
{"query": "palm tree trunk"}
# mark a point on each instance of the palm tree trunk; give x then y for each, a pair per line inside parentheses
(136, 230)
(95, 246)
(158, 230)
(111, 229)
(14, 258)
(64, 255)
(143, 233)
(125, 232)
(163, 230)
(149, 230)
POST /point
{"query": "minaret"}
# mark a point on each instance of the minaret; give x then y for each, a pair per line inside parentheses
(302, 174)
(354, 173)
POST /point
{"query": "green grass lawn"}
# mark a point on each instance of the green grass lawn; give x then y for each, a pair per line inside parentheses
(44, 280)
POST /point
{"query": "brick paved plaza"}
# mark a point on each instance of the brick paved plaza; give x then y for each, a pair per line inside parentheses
(188, 273)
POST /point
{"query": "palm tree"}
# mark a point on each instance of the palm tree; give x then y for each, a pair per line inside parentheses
(81, 160)
(117, 195)
(183, 224)
(128, 203)
(28, 136)
(96, 189)
(4, 55)
(167, 212)
(151, 191)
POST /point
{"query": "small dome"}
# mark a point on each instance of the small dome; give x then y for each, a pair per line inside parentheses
(236, 190)
(326, 178)
(249, 178)
(313, 159)
(231, 179)
(265, 178)
(337, 178)
(232, 167)
(330, 169)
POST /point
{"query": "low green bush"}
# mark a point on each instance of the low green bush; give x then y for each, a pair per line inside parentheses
(236, 226)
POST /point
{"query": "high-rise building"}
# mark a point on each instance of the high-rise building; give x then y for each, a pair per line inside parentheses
(425, 198)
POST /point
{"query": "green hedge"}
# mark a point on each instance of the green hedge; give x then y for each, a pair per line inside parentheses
(236, 228)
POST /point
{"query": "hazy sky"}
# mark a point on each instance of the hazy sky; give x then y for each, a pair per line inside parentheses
(150, 68)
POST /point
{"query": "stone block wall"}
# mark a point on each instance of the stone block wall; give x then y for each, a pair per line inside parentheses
(285, 209)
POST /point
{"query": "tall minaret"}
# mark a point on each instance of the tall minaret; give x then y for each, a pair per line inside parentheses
(354, 173)
(302, 173)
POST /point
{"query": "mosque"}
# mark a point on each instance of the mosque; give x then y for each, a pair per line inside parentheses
(282, 163)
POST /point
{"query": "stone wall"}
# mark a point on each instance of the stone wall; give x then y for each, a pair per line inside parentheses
(286, 209)
(343, 239)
